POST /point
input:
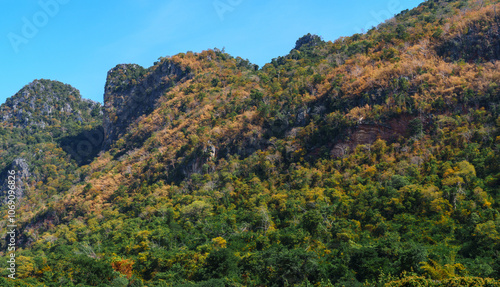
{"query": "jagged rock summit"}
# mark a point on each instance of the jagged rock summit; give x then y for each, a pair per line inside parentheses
(132, 91)
(46, 102)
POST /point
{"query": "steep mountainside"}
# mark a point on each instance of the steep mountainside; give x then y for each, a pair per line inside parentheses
(373, 160)
(35, 126)
(132, 91)
(44, 103)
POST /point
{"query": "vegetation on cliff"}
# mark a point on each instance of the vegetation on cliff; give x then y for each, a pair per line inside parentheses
(368, 161)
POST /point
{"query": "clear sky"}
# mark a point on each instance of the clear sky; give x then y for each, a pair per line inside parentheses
(78, 41)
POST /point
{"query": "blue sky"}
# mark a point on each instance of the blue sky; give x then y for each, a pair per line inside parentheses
(77, 42)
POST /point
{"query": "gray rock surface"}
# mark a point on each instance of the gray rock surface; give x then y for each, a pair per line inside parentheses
(22, 176)
(132, 91)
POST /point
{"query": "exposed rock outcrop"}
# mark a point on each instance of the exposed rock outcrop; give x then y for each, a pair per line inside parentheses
(132, 91)
(22, 174)
(369, 133)
(44, 102)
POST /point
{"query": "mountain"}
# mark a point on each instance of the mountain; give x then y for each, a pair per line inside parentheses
(372, 160)
(131, 91)
(35, 126)
(44, 103)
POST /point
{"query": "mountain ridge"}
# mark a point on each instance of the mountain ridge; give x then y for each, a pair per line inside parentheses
(372, 159)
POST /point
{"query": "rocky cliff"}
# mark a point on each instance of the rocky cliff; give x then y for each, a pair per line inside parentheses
(45, 102)
(132, 91)
(22, 174)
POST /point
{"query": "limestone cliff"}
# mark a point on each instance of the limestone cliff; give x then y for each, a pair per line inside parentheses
(22, 175)
(44, 103)
(132, 91)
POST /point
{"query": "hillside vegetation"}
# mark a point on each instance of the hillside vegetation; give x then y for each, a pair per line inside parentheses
(373, 160)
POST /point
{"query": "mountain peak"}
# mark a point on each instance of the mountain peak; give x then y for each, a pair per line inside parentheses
(310, 40)
(132, 91)
(43, 102)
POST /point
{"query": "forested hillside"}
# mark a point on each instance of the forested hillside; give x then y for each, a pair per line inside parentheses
(372, 160)
(37, 126)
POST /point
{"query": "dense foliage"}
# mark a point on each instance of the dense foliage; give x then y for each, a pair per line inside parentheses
(369, 161)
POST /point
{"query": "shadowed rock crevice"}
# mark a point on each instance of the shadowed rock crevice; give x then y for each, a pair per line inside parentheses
(85, 146)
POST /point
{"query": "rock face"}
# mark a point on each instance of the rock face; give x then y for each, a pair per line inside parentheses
(132, 91)
(20, 166)
(369, 133)
(45, 102)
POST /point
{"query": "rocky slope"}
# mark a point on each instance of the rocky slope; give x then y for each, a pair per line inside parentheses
(43, 102)
(22, 177)
(132, 91)
(38, 127)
